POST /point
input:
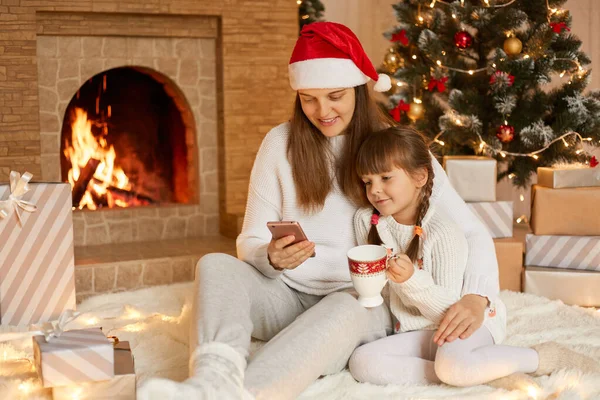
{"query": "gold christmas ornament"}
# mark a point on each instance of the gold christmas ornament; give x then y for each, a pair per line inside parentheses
(394, 88)
(415, 111)
(392, 60)
(512, 46)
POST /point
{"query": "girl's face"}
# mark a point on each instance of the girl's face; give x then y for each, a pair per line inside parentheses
(396, 193)
(330, 110)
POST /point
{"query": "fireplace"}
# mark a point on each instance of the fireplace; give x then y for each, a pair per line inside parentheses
(123, 141)
(144, 159)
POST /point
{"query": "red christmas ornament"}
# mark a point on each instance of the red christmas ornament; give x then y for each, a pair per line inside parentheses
(396, 112)
(505, 133)
(463, 39)
(559, 27)
(498, 75)
(400, 37)
(593, 162)
(439, 84)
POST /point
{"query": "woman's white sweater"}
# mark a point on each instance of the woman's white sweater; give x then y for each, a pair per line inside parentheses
(272, 197)
(422, 301)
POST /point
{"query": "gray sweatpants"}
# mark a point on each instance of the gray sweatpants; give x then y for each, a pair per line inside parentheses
(308, 336)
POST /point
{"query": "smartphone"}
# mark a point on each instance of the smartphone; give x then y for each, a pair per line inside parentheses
(280, 229)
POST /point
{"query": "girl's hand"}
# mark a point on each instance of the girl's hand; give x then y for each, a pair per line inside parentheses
(462, 319)
(282, 257)
(400, 268)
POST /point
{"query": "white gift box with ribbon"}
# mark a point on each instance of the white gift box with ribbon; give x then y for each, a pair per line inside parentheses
(36, 253)
(82, 355)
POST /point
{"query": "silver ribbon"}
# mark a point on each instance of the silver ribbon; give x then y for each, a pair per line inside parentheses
(19, 185)
(48, 329)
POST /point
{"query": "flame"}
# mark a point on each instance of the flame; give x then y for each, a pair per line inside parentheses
(86, 146)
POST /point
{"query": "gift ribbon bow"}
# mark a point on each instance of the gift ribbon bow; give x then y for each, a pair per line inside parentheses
(400, 37)
(439, 84)
(48, 329)
(558, 27)
(19, 185)
(397, 111)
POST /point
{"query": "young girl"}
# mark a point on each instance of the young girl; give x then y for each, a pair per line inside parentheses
(426, 277)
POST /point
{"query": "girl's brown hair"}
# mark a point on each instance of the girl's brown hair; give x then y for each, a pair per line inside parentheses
(310, 159)
(400, 147)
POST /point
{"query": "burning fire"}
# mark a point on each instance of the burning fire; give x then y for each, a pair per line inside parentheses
(93, 162)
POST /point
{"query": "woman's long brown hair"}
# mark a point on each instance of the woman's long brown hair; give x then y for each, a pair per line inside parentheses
(310, 161)
(400, 147)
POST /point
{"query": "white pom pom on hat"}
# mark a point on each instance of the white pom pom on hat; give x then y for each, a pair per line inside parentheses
(328, 55)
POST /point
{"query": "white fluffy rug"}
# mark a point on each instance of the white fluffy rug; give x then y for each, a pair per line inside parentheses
(156, 322)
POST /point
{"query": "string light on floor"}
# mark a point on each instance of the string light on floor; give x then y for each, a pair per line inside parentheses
(533, 392)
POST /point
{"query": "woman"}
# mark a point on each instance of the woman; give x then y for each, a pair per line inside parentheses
(302, 305)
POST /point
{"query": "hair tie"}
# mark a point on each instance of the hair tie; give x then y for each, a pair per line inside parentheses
(418, 231)
(374, 219)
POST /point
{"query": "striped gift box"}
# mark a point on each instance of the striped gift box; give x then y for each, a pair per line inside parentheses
(571, 252)
(121, 387)
(36, 256)
(83, 355)
(497, 216)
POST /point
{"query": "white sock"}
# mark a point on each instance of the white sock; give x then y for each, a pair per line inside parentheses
(216, 373)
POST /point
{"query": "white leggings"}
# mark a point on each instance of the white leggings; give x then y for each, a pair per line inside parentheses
(413, 357)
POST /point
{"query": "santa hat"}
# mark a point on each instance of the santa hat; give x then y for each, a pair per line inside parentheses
(329, 55)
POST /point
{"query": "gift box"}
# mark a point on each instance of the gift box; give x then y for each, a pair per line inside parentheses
(571, 252)
(473, 177)
(509, 252)
(563, 177)
(81, 355)
(570, 212)
(36, 252)
(574, 287)
(120, 387)
(497, 216)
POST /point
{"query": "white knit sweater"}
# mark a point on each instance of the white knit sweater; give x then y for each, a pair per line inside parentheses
(422, 301)
(272, 197)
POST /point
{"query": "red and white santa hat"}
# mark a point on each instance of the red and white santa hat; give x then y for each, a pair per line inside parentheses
(329, 55)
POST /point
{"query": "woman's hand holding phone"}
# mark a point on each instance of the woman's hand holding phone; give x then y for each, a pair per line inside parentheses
(284, 255)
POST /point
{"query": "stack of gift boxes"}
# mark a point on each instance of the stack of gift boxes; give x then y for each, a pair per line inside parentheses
(563, 253)
(37, 293)
(474, 178)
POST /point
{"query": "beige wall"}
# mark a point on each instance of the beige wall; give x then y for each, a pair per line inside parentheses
(370, 18)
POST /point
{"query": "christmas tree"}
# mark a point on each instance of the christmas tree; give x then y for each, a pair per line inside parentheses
(473, 75)
(309, 11)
